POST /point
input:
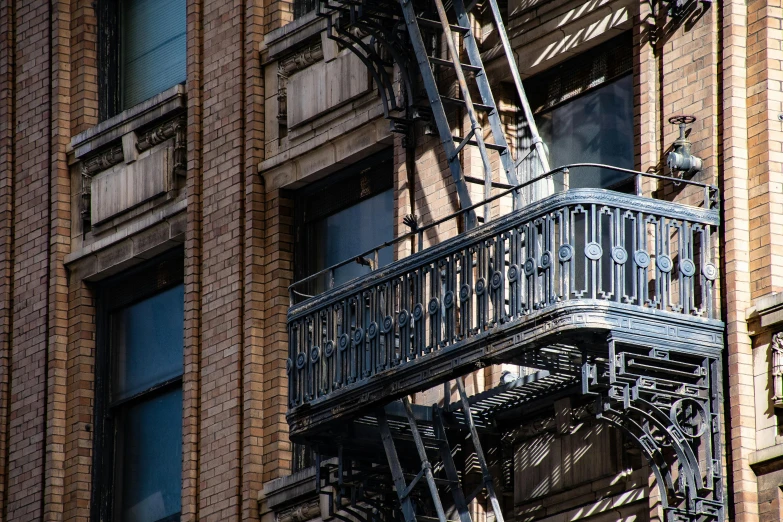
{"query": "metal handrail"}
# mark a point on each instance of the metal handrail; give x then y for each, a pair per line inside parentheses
(419, 231)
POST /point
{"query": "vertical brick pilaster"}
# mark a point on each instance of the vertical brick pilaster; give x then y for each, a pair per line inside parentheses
(277, 13)
(646, 119)
(84, 66)
(736, 241)
(278, 274)
(191, 378)
(7, 90)
(223, 214)
(765, 143)
(252, 356)
(31, 250)
(80, 413)
(59, 246)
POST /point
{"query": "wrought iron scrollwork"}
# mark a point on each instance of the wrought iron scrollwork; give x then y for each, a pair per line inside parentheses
(380, 40)
(667, 401)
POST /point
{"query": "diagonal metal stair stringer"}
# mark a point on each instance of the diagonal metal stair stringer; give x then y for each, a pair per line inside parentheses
(383, 22)
(449, 468)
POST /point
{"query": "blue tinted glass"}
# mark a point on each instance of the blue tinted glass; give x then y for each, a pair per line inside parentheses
(148, 339)
(594, 128)
(154, 48)
(150, 443)
(355, 230)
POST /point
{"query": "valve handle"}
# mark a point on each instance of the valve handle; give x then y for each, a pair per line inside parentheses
(682, 119)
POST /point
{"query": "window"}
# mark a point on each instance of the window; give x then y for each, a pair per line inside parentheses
(584, 112)
(344, 216)
(302, 7)
(340, 217)
(138, 436)
(143, 51)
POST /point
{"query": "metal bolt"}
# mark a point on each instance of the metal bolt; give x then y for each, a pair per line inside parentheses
(780, 117)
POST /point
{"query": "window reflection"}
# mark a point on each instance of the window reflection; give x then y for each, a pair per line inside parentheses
(353, 231)
(594, 128)
(150, 436)
(146, 395)
(148, 343)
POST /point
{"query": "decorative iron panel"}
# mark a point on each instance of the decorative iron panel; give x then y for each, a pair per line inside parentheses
(577, 247)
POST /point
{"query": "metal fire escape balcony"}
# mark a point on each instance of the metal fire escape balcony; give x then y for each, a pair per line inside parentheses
(607, 294)
(610, 296)
(546, 287)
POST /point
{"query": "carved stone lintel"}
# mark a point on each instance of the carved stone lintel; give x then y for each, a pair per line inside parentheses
(106, 159)
(777, 369)
(174, 128)
(300, 60)
(300, 513)
(288, 66)
(114, 155)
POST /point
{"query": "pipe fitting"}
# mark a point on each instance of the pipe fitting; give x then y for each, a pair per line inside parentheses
(680, 158)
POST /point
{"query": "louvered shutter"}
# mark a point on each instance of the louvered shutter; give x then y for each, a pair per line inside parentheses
(153, 48)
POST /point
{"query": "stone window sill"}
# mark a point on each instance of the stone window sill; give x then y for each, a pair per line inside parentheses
(159, 106)
(280, 41)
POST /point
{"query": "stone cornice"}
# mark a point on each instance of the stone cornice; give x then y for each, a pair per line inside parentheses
(765, 315)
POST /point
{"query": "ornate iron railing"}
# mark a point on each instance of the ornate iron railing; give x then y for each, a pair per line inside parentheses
(583, 246)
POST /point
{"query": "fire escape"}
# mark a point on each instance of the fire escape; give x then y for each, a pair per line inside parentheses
(609, 296)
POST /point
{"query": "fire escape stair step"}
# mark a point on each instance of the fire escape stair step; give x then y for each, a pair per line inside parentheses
(449, 63)
(436, 24)
(492, 146)
(457, 101)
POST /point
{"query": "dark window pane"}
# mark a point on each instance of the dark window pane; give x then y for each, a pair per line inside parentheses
(148, 342)
(302, 7)
(353, 231)
(594, 128)
(153, 48)
(150, 458)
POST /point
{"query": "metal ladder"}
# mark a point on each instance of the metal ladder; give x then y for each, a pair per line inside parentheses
(454, 144)
(404, 488)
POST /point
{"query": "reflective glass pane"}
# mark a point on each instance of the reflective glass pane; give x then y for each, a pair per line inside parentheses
(594, 128)
(353, 231)
(148, 339)
(153, 48)
(150, 458)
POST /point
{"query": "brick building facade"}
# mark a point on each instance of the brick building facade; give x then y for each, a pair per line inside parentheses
(210, 185)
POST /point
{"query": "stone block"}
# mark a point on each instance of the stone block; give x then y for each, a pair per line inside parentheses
(126, 186)
(322, 87)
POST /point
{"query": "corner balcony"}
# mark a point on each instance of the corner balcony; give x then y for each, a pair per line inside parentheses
(547, 286)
